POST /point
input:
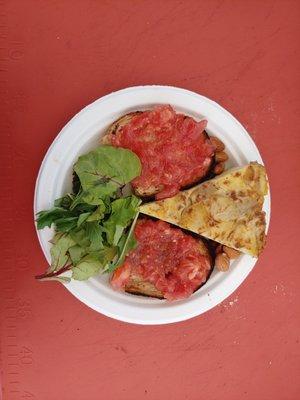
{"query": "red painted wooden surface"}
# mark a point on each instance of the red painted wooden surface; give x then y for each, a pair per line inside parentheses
(58, 56)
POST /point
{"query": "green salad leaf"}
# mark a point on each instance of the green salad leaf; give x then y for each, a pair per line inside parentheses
(122, 213)
(66, 224)
(61, 279)
(82, 218)
(92, 224)
(109, 166)
(76, 253)
(93, 263)
(86, 268)
(48, 217)
(59, 251)
(65, 201)
(94, 233)
(126, 244)
(80, 237)
(98, 214)
(93, 196)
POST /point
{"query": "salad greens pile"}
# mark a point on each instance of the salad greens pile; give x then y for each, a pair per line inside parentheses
(94, 225)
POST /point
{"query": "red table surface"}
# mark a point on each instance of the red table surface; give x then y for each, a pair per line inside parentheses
(58, 56)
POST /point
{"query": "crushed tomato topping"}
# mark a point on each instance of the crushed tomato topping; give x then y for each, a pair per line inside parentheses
(173, 148)
(166, 257)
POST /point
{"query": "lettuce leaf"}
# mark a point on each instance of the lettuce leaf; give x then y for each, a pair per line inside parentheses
(94, 234)
(66, 224)
(123, 212)
(59, 251)
(93, 263)
(64, 201)
(76, 253)
(126, 244)
(92, 223)
(108, 166)
(48, 217)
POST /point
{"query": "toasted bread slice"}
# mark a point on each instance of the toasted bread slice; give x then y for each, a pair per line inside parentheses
(152, 190)
(115, 126)
(226, 209)
(138, 286)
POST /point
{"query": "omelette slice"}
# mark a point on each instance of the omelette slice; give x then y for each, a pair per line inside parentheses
(227, 209)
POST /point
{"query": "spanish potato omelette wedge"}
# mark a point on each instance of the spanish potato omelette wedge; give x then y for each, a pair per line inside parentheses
(227, 208)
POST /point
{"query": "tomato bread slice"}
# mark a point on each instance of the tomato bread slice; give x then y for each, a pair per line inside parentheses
(175, 150)
(167, 262)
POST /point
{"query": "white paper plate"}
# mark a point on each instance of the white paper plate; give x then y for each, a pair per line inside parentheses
(82, 134)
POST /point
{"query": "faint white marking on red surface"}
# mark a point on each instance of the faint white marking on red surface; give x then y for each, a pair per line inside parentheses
(279, 288)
